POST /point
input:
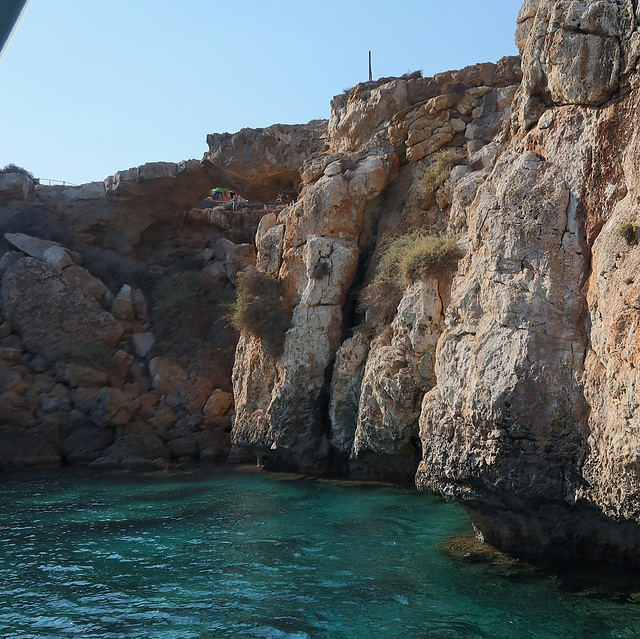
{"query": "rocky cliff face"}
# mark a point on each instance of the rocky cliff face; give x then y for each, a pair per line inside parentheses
(510, 384)
(382, 140)
(527, 404)
(94, 369)
(264, 164)
(506, 378)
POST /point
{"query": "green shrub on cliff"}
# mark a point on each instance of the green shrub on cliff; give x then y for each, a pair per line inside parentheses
(260, 310)
(407, 258)
(628, 231)
(414, 254)
(439, 170)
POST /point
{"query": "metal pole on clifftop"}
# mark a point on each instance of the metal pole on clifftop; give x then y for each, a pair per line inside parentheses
(370, 73)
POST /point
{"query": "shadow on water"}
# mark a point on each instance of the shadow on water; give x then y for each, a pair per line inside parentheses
(590, 580)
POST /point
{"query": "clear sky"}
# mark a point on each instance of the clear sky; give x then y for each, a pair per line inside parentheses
(91, 87)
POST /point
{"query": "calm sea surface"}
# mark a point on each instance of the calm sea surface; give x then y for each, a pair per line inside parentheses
(238, 553)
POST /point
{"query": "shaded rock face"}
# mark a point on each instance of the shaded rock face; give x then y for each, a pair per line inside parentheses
(396, 376)
(263, 164)
(79, 386)
(114, 214)
(137, 219)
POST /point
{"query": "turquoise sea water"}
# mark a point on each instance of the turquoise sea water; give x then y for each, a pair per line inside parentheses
(238, 553)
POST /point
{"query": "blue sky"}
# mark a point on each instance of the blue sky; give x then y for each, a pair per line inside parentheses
(90, 87)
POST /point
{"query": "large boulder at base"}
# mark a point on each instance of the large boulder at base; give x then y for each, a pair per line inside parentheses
(48, 312)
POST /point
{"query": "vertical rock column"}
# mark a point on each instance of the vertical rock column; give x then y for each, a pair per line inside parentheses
(281, 410)
(505, 428)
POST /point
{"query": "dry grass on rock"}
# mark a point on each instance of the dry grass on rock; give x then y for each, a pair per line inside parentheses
(259, 309)
(406, 259)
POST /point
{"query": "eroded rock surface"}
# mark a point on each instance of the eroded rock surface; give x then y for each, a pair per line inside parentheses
(383, 138)
(263, 164)
(507, 381)
(519, 376)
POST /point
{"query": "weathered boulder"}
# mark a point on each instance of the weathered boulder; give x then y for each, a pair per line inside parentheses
(32, 246)
(136, 446)
(234, 257)
(49, 313)
(166, 375)
(114, 407)
(81, 279)
(195, 393)
(122, 309)
(77, 375)
(218, 403)
(58, 257)
(143, 343)
(16, 186)
(85, 443)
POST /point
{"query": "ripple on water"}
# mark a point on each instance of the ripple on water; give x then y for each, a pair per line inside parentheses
(226, 554)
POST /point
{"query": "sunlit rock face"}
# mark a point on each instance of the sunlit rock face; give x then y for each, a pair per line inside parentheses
(574, 52)
(510, 384)
(532, 421)
(329, 401)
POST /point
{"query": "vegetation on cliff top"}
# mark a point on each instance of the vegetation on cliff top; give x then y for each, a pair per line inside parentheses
(14, 168)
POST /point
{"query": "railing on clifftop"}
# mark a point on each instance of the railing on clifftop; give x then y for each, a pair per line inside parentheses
(55, 182)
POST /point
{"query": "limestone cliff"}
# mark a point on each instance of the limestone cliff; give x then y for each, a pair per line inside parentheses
(506, 378)
(368, 185)
(510, 384)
